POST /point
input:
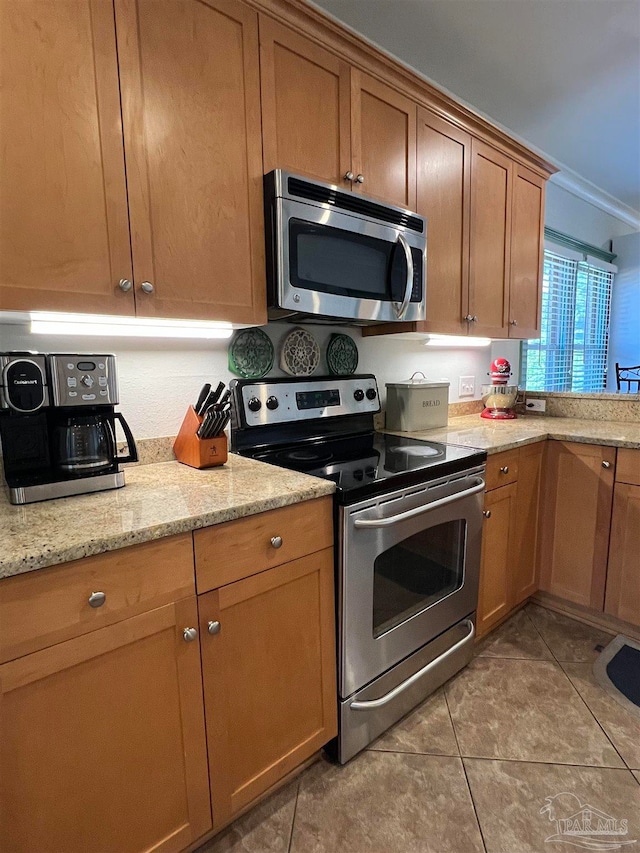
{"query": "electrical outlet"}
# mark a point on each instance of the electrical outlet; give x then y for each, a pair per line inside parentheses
(536, 405)
(467, 386)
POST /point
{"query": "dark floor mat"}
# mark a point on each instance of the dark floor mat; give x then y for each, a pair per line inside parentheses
(617, 669)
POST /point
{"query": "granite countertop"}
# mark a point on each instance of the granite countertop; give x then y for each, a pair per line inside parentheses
(158, 500)
(496, 436)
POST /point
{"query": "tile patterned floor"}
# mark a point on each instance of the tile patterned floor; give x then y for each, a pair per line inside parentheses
(518, 740)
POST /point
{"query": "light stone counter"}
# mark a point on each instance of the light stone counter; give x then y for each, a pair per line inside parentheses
(158, 500)
(496, 436)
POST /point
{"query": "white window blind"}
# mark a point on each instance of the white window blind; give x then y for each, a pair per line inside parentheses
(571, 354)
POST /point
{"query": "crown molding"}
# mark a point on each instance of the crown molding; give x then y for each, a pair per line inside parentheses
(580, 187)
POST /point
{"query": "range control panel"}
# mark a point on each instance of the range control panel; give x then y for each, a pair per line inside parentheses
(83, 380)
(266, 402)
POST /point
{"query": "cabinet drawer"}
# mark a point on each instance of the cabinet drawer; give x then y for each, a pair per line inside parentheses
(229, 552)
(51, 605)
(628, 466)
(502, 469)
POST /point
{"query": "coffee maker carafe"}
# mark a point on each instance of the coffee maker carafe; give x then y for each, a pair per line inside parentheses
(57, 425)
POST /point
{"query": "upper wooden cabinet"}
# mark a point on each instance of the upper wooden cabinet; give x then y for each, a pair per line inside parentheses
(190, 88)
(527, 251)
(64, 233)
(323, 118)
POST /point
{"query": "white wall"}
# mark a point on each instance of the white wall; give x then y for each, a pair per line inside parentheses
(624, 339)
(158, 379)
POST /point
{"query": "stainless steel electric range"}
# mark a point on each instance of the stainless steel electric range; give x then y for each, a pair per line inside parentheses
(408, 517)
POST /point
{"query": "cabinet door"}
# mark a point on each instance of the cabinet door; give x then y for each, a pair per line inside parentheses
(269, 677)
(306, 111)
(383, 139)
(64, 231)
(623, 577)
(527, 249)
(102, 741)
(490, 240)
(191, 112)
(497, 557)
(524, 543)
(444, 183)
(576, 517)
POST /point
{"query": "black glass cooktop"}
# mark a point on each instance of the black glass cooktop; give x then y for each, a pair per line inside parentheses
(364, 465)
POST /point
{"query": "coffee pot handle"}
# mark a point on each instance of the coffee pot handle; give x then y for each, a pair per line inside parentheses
(132, 455)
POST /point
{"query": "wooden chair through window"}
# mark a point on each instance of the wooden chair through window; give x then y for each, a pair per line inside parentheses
(628, 378)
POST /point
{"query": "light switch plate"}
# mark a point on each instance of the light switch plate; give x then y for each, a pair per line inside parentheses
(467, 386)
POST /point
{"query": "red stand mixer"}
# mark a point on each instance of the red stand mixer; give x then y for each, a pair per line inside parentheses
(499, 397)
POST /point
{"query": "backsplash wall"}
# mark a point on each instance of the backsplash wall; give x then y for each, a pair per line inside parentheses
(159, 378)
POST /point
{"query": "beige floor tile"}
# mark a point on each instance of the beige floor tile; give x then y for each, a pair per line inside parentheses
(517, 638)
(428, 730)
(636, 773)
(510, 797)
(386, 803)
(568, 639)
(525, 711)
(267, 827)
(621, 726)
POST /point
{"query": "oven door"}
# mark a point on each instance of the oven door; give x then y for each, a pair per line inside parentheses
(409, 570)
(337, 264)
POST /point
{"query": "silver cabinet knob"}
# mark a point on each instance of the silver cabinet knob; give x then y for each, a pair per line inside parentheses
(146, 287)
(513, 322)
(97, 599)
(189, 634)
(125, 285)
(487, 513)
(469, 318)
(213, 627)
(276, 541)
(359, 179)
(504, 469)
(474, 319)
(606, 464)
(349, 176)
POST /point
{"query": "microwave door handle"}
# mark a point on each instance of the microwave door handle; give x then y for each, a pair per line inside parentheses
(402, 307)
(371, 704)
(411, 513)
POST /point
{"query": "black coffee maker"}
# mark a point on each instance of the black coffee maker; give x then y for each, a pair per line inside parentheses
(57, 425)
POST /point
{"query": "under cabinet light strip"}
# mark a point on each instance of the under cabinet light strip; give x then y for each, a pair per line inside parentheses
(129, 327)
(458, 341)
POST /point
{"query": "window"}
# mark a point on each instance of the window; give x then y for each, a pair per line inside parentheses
(571, 354)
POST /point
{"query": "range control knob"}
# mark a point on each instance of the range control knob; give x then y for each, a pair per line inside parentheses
(272, 403)
(358, 394)
(254, 405)
(371, 394)
(87, 380)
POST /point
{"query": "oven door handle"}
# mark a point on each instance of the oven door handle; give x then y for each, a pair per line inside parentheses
(402, 307)
(371, 704)
(411, 513)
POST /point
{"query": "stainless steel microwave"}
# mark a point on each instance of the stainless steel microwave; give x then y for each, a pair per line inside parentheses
(339, 256)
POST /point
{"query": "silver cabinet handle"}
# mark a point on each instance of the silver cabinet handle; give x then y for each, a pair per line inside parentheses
(504, 469)
(189, 634)
(97, 599)
(125, 285)
(360, 179)
(486, 513)
(410, 513)
(400, 309)
(146, 287)
(276, 541)
(370, 704)
(213, 627)
(606, 464)
(349, 176)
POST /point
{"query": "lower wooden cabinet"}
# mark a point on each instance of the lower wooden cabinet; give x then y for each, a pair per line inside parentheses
(524, 541)
(494, 597)
(268, 655)
(102, 740)
(623, 570)
(575, 521)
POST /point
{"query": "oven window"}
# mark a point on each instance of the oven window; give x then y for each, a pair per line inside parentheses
(416, 573)
(332, 260)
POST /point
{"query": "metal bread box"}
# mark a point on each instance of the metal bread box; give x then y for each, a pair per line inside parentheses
(417, 404)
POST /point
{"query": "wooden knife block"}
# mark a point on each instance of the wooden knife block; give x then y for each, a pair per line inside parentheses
(199, 452)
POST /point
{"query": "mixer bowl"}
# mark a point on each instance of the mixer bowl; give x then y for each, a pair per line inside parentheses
(499, 396)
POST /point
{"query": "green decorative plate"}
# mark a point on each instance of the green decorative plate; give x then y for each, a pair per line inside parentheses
(251, 354)
(342, 355)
